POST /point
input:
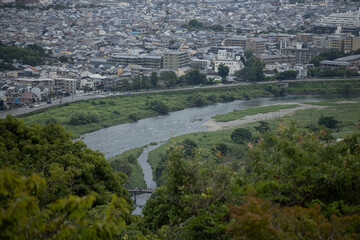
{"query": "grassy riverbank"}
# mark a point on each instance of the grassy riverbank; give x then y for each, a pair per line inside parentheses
(346, 112)
(115, 110)
(237, 114)
(127, 164)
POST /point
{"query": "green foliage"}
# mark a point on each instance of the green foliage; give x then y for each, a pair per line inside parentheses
(241, 135)
(260, 219)
(169, 78)
(329, 122)
(192, 203)
(134, 116)
(154, 79)
(330, 54)
(194, 77)
(326, 72)
(68, 167)
(253, 70)
(23, 218)
(197, 100)
(286, 75)
(31, 55)
(81, 118)
(223, 71)
(158, 106)
(296, 168)
(263, 128)
(189, 147)
(127, 163)
(276, 91)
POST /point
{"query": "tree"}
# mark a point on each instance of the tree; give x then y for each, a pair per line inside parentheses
(223, 71)
(329, 122)
(253, 70)
(241, 135)
(169, 78)
(293, 167)
(158, 106)
(194, 77)
(154, 79)
(68, 167)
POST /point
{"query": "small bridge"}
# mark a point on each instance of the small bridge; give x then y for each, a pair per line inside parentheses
(136, 191)
(141, 190)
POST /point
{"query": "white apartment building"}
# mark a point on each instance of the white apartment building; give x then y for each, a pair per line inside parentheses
(350, 19)
(233, 65)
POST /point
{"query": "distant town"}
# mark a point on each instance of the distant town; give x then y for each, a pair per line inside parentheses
(56, 48)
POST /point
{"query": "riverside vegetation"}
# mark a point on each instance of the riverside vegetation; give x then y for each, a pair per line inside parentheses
(290, 183)
(90, 115)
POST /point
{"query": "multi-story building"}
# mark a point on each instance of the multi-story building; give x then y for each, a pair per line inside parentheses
(175, 60)
(257, 45)
(67, 85)
(236, 41)
(141, 60)
(303, 55)
(283, 58)
(231, 64)
(305, 37)
(351, 44)
(342, 19)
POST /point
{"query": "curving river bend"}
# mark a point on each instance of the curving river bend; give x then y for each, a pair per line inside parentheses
(117, 139)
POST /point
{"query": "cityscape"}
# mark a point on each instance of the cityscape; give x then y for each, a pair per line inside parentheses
(180, 119)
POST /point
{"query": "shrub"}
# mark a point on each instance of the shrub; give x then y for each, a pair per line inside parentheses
(83, 118)
(329, 122)
(158, 106)
(134, 116)
(240, 135)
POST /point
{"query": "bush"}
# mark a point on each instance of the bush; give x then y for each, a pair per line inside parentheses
(329, 122)
(240, 135)
(83, 118)
(134, 116)
(158, 106)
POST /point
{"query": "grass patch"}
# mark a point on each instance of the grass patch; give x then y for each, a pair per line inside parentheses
(237, 114)
(127, 163)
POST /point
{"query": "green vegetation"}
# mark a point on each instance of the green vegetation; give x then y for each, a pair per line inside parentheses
(241, 135)
(194, 24)
(52, 187)
(253, 70)
(127, 164)
(237, 114)
(339, 72)
(128, 108)
(292, 183)
(31, 55)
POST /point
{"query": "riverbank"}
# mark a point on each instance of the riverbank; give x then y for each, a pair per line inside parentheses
(116, 110)
(213, 125)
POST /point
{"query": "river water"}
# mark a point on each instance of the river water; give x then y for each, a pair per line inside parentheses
(117, 139)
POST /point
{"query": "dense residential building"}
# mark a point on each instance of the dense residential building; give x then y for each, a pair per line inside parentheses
(257, 45)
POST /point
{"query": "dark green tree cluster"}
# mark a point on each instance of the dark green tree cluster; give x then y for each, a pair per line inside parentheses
(286, 75)
(253, 70)
(31, 55)
(54, 188)
(339, 72)
(330, 54)
(194, 24)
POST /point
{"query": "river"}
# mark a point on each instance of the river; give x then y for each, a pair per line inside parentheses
(117, 139)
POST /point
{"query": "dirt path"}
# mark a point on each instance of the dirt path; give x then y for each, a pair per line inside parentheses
(212, 125)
